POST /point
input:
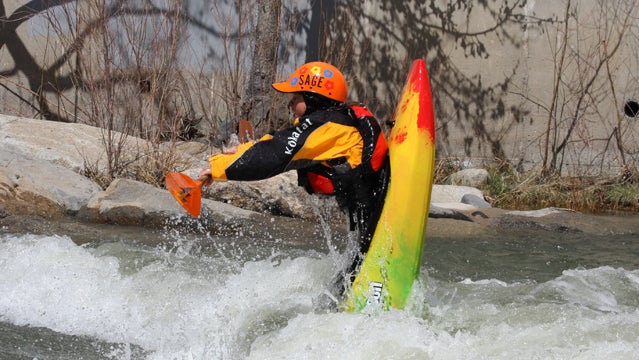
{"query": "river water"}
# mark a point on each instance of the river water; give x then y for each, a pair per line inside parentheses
(166, 295)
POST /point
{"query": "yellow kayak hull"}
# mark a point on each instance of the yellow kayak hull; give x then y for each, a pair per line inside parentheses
(392, 263)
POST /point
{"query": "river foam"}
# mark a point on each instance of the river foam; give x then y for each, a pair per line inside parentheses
(191, 305)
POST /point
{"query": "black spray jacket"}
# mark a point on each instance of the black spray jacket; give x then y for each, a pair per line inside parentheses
(339, 151)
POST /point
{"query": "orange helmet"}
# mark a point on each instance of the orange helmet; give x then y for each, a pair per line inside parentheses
(316, 77)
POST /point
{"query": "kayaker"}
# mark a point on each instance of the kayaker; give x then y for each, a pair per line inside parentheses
(337, 149)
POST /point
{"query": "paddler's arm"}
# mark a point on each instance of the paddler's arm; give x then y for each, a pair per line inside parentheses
(216, 162)
(219, 162)
(310, 141)
(252, 161)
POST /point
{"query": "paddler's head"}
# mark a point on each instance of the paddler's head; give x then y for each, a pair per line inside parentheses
(315, 85)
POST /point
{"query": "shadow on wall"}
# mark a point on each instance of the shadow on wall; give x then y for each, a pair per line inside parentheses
(383, 43)
(374, 44)
(375, 49)
(40, 80)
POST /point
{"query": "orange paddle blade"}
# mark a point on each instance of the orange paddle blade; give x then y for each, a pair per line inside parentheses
(186, 191)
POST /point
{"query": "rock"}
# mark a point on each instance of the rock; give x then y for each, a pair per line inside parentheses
(130, 202)
(190, 148)
(25, 198)
(278, 195)
(70, 145)
(47, 148)
(476, 201)
(34, 186)
(37, 159)
(437, 212)
(470, 177)
(537, 213)
(192, 155)
(452, 194)
(81, 146)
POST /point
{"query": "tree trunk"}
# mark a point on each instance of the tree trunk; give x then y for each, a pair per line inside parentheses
(256, 106)
(322, 12)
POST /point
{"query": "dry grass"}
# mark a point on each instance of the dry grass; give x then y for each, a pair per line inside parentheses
(508, 189)
(148, 164)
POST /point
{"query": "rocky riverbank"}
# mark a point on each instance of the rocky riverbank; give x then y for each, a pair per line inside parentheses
(42, 187)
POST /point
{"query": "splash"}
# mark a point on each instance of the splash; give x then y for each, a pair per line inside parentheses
(188, 301)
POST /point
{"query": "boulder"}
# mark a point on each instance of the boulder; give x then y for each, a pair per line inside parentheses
(476, 201)
(41, 162)
(130, 202)
(38, 187)
(278, 195)
(69, 145)
(80, 146)
(469, 177)
(451, 194)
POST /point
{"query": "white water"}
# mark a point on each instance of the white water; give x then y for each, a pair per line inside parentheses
(184, 304)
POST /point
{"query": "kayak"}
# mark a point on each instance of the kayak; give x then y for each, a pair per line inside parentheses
(391, 265)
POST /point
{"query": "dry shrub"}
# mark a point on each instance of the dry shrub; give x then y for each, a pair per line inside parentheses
(512, 190)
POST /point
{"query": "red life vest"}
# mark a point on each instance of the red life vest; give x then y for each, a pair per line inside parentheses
(320, 178)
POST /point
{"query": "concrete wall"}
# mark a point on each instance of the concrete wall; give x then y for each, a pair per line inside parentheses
(535, 63)
(519, 68)
(502, 109)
